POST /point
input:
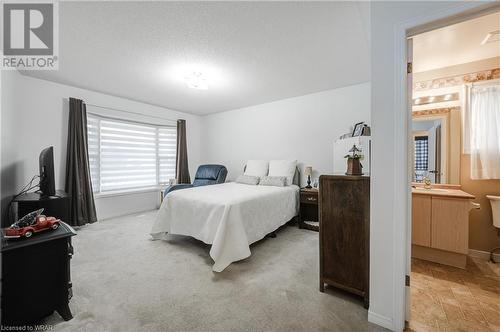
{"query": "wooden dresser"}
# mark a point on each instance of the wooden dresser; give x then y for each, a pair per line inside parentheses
(344, 233)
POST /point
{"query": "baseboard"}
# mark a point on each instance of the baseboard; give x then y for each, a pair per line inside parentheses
(483, 255)
(119, 215)
(380, 320)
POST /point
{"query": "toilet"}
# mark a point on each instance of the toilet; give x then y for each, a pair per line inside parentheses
(495, 211)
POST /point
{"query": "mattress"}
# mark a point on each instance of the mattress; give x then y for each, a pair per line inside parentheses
(229, 216)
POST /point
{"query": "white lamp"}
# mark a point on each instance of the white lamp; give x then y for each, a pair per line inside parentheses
(308, 171)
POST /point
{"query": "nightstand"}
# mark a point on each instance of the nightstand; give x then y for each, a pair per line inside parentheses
(309, 208)
(36, 277)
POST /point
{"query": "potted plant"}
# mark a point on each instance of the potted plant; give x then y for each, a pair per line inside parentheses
(354, 166)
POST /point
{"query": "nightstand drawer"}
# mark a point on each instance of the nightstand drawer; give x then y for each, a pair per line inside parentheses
(310, 198)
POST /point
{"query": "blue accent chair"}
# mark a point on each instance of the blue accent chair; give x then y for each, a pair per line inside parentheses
(205, 175)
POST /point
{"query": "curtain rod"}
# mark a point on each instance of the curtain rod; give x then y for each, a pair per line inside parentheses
(484, 82)
(130, 112)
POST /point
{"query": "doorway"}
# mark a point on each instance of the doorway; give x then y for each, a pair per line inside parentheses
(448, 289)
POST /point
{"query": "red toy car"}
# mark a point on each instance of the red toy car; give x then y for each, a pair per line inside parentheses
(41, 223)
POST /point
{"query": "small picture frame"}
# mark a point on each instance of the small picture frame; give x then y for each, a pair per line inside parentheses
(358, 129)
(366, 130)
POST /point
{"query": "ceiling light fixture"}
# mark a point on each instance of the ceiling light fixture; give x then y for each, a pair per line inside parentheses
(196, 80)
(197, 75)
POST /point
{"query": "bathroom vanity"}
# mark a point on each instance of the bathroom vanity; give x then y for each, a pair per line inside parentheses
(440, 224)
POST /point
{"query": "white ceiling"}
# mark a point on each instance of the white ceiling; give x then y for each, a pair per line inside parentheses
(456, 44)
(258, 52)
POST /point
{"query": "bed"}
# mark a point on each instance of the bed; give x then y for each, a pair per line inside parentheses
(229, 216)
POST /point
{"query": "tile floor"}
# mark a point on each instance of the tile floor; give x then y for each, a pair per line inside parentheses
(445, 298)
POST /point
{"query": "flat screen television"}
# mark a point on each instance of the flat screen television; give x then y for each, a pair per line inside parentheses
(46, 163)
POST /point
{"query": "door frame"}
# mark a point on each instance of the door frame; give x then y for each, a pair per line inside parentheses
(402, 137)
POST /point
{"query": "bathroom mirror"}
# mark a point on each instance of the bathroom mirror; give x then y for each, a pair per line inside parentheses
(429, 150)
(436, 145)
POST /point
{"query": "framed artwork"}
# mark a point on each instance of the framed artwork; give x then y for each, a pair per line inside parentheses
(358, 129)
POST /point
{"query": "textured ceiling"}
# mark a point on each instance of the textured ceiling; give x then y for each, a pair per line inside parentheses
(456, 44)
(255, 52)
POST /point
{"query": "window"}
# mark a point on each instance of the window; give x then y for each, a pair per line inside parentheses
(481, 129)
(127, 155)
(421, 153)
(421, 157)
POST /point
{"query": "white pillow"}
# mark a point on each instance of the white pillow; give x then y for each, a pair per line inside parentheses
(276, 181)
(283, 168)
(257, 168)
(248, 179)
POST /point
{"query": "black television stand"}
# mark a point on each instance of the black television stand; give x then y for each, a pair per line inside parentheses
(54, 206)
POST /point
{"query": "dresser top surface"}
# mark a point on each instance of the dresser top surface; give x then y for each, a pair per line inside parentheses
(36, 197)
(63, 231)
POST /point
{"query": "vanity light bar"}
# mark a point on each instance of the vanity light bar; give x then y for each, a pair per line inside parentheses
(436, 99)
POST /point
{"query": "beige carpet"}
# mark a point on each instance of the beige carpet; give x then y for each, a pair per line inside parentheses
(122, 281)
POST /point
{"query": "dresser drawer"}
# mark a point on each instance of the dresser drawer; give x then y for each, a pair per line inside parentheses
(309, 197)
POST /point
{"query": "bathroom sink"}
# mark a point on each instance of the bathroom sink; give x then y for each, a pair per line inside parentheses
(431, 189)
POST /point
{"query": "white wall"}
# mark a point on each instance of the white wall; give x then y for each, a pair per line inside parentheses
(35, 115)
(1, 140)
(302, 128)
(389, 185)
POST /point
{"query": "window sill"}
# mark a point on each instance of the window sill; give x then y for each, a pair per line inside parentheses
(126, 192)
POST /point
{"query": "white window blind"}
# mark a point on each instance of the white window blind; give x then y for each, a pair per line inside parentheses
(128, 155)
(167, 150)
(93, 146)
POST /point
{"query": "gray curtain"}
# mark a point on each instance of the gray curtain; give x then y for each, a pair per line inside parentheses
(181, 166)
(78, 183)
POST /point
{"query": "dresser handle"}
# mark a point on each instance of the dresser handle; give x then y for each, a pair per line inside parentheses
(311, 198)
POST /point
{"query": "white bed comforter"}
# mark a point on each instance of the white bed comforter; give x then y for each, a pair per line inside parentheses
(229, 216)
